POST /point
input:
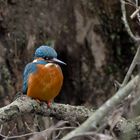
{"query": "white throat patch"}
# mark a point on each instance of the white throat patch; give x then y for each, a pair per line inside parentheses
(50, 65)
(34, 60)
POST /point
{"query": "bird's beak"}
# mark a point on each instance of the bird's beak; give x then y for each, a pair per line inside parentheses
(58, 61)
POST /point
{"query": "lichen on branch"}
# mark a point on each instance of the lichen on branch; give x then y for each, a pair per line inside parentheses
(23, 105)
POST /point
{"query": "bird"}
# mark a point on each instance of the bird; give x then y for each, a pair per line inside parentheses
(43, 77)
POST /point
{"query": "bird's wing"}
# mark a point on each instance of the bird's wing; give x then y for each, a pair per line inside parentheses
(30, 68)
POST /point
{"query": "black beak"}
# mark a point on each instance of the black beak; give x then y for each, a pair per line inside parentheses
(58, 61)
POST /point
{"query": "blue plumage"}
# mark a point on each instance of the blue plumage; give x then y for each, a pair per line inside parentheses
(44, 51)
(41, 52)
(30, 68)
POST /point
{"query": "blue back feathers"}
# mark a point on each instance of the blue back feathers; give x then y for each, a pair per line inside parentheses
(45, 51)
(30, 68)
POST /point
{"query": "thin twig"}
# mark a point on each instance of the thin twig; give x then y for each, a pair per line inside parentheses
(57, 136)
(58, 125)
(33, 133)
(134, 14)
(95, 119)
(27, 126)
(130, 3)
(132, 66)
(10, 132)
(1, 127)
(138, 14)
(136, 39)
(92, 134)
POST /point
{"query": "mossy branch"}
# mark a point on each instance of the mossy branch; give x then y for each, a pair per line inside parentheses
(23, 105)
(128, 129)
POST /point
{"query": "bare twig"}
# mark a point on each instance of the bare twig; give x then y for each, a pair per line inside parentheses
(1, 127)
(58, 125)
(134, 14)
(136, 59)
(130, 3)
(10, 132)
(136, 39)
(27, 126)
(58, 135)
(98, 115)
(33, 133)
(138, 14)
(101, 136)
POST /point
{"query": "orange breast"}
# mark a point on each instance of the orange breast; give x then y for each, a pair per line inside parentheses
(46, 82)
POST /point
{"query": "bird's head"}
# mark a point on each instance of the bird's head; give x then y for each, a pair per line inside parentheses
(48, 54)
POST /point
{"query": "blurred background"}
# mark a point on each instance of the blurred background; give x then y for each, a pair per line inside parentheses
(88, 35)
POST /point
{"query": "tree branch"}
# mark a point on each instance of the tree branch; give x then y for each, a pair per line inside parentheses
(98, 115)
(128, 129)
(24, 105)
(134, 14)
(135, 61)
(136, 39)
(79, 114)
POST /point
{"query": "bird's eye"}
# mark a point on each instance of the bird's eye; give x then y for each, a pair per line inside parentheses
(46, 58)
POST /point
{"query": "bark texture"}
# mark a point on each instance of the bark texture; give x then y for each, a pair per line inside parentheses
(25, 105)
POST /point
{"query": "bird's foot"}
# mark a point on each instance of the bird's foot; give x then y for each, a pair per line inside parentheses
(49, 104)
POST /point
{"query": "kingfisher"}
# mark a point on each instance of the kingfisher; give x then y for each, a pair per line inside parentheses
(43, 77)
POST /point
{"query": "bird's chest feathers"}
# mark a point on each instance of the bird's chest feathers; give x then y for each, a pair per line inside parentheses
(46, 81)
(46, 73)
